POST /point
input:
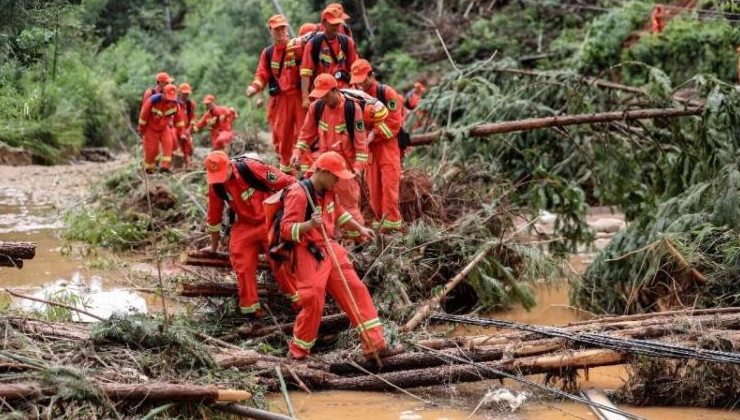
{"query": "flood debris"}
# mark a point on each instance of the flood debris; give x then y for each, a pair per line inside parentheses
(12, 254)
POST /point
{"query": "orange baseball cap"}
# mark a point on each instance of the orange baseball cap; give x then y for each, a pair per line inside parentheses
(340, 7)
(170, 92)
(164, 78)
(360, 69)
(185, 88)
(217, 167)
(420, 87)
(277, 21)
(307, 28)
(323, 84)
(334, 163)
(209, 99)
(332, 15)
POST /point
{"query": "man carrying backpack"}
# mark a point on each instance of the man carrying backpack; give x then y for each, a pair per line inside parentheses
(328, 52)
(244, 184)
(315, 270)
(337, 123)
(384, 162)
(157, 120)
(279, 72)
(343, 29)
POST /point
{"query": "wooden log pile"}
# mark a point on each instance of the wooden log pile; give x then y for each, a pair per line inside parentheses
(12, 254)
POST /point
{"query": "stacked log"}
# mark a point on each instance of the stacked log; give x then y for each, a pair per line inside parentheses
(12, 254)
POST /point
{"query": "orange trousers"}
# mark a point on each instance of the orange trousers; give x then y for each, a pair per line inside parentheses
(347, 191)
(314, 278)
(383, 177)
(285, 115)
(153, 140)
(245, 245)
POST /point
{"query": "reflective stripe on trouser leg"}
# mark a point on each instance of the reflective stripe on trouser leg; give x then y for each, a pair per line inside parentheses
(151, 147)
(311, 277)
(166, 141)
(244, 247)
(373, 339)
(386, 182)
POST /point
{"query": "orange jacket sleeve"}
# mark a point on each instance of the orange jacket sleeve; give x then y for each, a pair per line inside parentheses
(360, 142)
(344, 215)
(146, 111)
(215, 211)
(309, 131)
(271, 176)
(389, 128)
(294, 213)
(203, 121)
(262, 76)
(308, 67)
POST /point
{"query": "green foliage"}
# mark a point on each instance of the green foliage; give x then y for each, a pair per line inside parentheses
(603, 45)
(53, 313)
(105, 227)
(708, 45)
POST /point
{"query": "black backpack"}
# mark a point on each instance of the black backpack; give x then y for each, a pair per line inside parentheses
(316, 43)
(247, 176)
(273, 88)
(349, 115)
(278, 249)
(404, 139)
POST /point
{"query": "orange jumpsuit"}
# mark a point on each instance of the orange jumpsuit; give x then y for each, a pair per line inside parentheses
(314, 278)
(326, 62)
(188, 113)
(658, 19)
(155, 124)
(384, 162)
(331, 134)
(220, 123)
(285, 112)
(249, 233)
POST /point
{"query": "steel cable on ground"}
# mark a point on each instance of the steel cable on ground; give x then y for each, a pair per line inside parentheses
(627, 345)
(458, 360)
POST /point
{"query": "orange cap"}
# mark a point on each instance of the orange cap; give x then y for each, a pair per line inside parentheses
(322, 85)
(164, 78)
(277, 21)
(332, 15)
(217, 167)
(334, 163)
(209, 99)
(170, 92)
(420, 87)
(306, 29)
(360, 69)
(185, 88)
(340, 7)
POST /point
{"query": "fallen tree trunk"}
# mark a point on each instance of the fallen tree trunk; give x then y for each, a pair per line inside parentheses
(18, 250)
(6, 261)
(466, 373)
(210, 259)
(151, 392)
(557, 121)
(329, 324)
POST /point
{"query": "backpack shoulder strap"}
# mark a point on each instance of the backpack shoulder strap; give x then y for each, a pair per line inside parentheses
(306, 185)
(249, 177)
(381, 94)
(318, 110)
(349, 118)
(344, 44)
(316, 42)
(220, 191)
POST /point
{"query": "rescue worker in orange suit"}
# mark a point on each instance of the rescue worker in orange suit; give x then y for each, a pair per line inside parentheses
(331, 132)
(248, 234)
(315, 273)
(658, 19)
(188, 114)
(219, 120)
(383, 173)
(344, 29)
(278, 71)
(159, 114)
(327, 52)
(162, 79)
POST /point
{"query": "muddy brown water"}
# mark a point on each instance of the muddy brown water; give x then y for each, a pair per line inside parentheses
(31, 199)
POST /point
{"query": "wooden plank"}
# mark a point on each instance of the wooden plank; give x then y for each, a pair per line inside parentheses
(595, 395)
